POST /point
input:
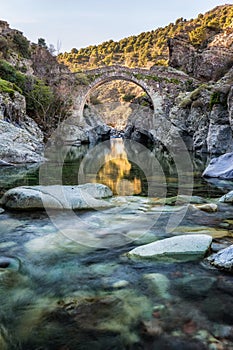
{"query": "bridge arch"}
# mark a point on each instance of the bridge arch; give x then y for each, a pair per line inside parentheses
(104, 75)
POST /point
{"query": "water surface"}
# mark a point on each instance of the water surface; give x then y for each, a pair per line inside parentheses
(60, 294)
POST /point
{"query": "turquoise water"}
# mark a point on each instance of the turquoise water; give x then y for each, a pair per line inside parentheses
(59, 294)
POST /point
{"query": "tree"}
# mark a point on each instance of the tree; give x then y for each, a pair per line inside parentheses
(52, 49)
(42, 43)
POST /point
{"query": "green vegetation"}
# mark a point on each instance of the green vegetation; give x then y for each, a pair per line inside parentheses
(150, 48)
(6, 86)
(218, 98)
(22, 45)
(128, 97)
(39, 96)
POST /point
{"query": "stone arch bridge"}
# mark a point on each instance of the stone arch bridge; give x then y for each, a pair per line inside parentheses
(151, 81)
(161, 84)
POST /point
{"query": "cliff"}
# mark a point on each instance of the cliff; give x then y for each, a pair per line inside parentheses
(194, 97)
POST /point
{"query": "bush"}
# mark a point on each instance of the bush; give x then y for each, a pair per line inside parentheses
(128, 97)
(22, 45)
(39, 99)
(39, 96)
(218, 98)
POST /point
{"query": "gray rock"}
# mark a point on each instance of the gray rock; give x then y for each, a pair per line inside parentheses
(1, 210)
(227, 198)
(19, 144)
(219, 139)
(221, 167)
(179, 248)
(57, 197)
(223, 259)
(3, 163)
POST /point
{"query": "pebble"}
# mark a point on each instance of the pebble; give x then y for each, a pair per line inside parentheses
(120, 284)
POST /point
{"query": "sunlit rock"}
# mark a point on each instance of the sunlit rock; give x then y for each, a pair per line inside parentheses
(223, 259)
(57, 197)
(209, 207)
(221, 167)
(179, 248)
(227, 198)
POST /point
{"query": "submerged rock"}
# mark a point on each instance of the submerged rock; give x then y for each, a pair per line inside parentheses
(221, 167)
(195, 286)
(182, 199)
(57, 197)
(223, 259)
(179, 248)
(159, 284)
(9, 263)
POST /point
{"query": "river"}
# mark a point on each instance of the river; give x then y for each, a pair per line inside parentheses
(65, 294)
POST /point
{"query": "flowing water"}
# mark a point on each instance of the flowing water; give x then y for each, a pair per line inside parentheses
(64, 294)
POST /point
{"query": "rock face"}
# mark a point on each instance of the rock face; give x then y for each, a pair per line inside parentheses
(206, 63)
(21, 140)
(57, 197)
(19, 145)
(223, 259)
(203, 116)
(180, 248)
(221, 167)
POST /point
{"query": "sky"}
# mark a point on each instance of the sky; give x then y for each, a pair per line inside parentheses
(80, 23)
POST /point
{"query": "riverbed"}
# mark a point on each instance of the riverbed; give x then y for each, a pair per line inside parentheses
(66, 291)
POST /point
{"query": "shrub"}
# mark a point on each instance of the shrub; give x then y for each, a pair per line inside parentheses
(6, 86)
(128, 97)
(22, 45)
(218, 98)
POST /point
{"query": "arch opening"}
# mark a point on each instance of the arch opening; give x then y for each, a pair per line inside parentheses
(117, 101)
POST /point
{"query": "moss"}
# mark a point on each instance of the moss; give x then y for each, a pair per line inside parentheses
(218, 98)
(10, 88)
(192, 96)
(185, 103)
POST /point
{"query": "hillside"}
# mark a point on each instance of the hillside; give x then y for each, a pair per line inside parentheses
(33, 72)
(151, 48)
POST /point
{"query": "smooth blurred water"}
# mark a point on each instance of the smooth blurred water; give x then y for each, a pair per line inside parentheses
(70, 296)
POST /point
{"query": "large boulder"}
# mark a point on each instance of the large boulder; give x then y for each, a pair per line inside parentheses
(86, 196)
(179, 248)
(221, 167)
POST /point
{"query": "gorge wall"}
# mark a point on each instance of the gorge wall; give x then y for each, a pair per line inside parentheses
(191, 99)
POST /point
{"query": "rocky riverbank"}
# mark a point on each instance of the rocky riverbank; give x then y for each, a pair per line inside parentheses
(97, 286)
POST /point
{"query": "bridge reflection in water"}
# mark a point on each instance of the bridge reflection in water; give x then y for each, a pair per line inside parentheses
(118, 172)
